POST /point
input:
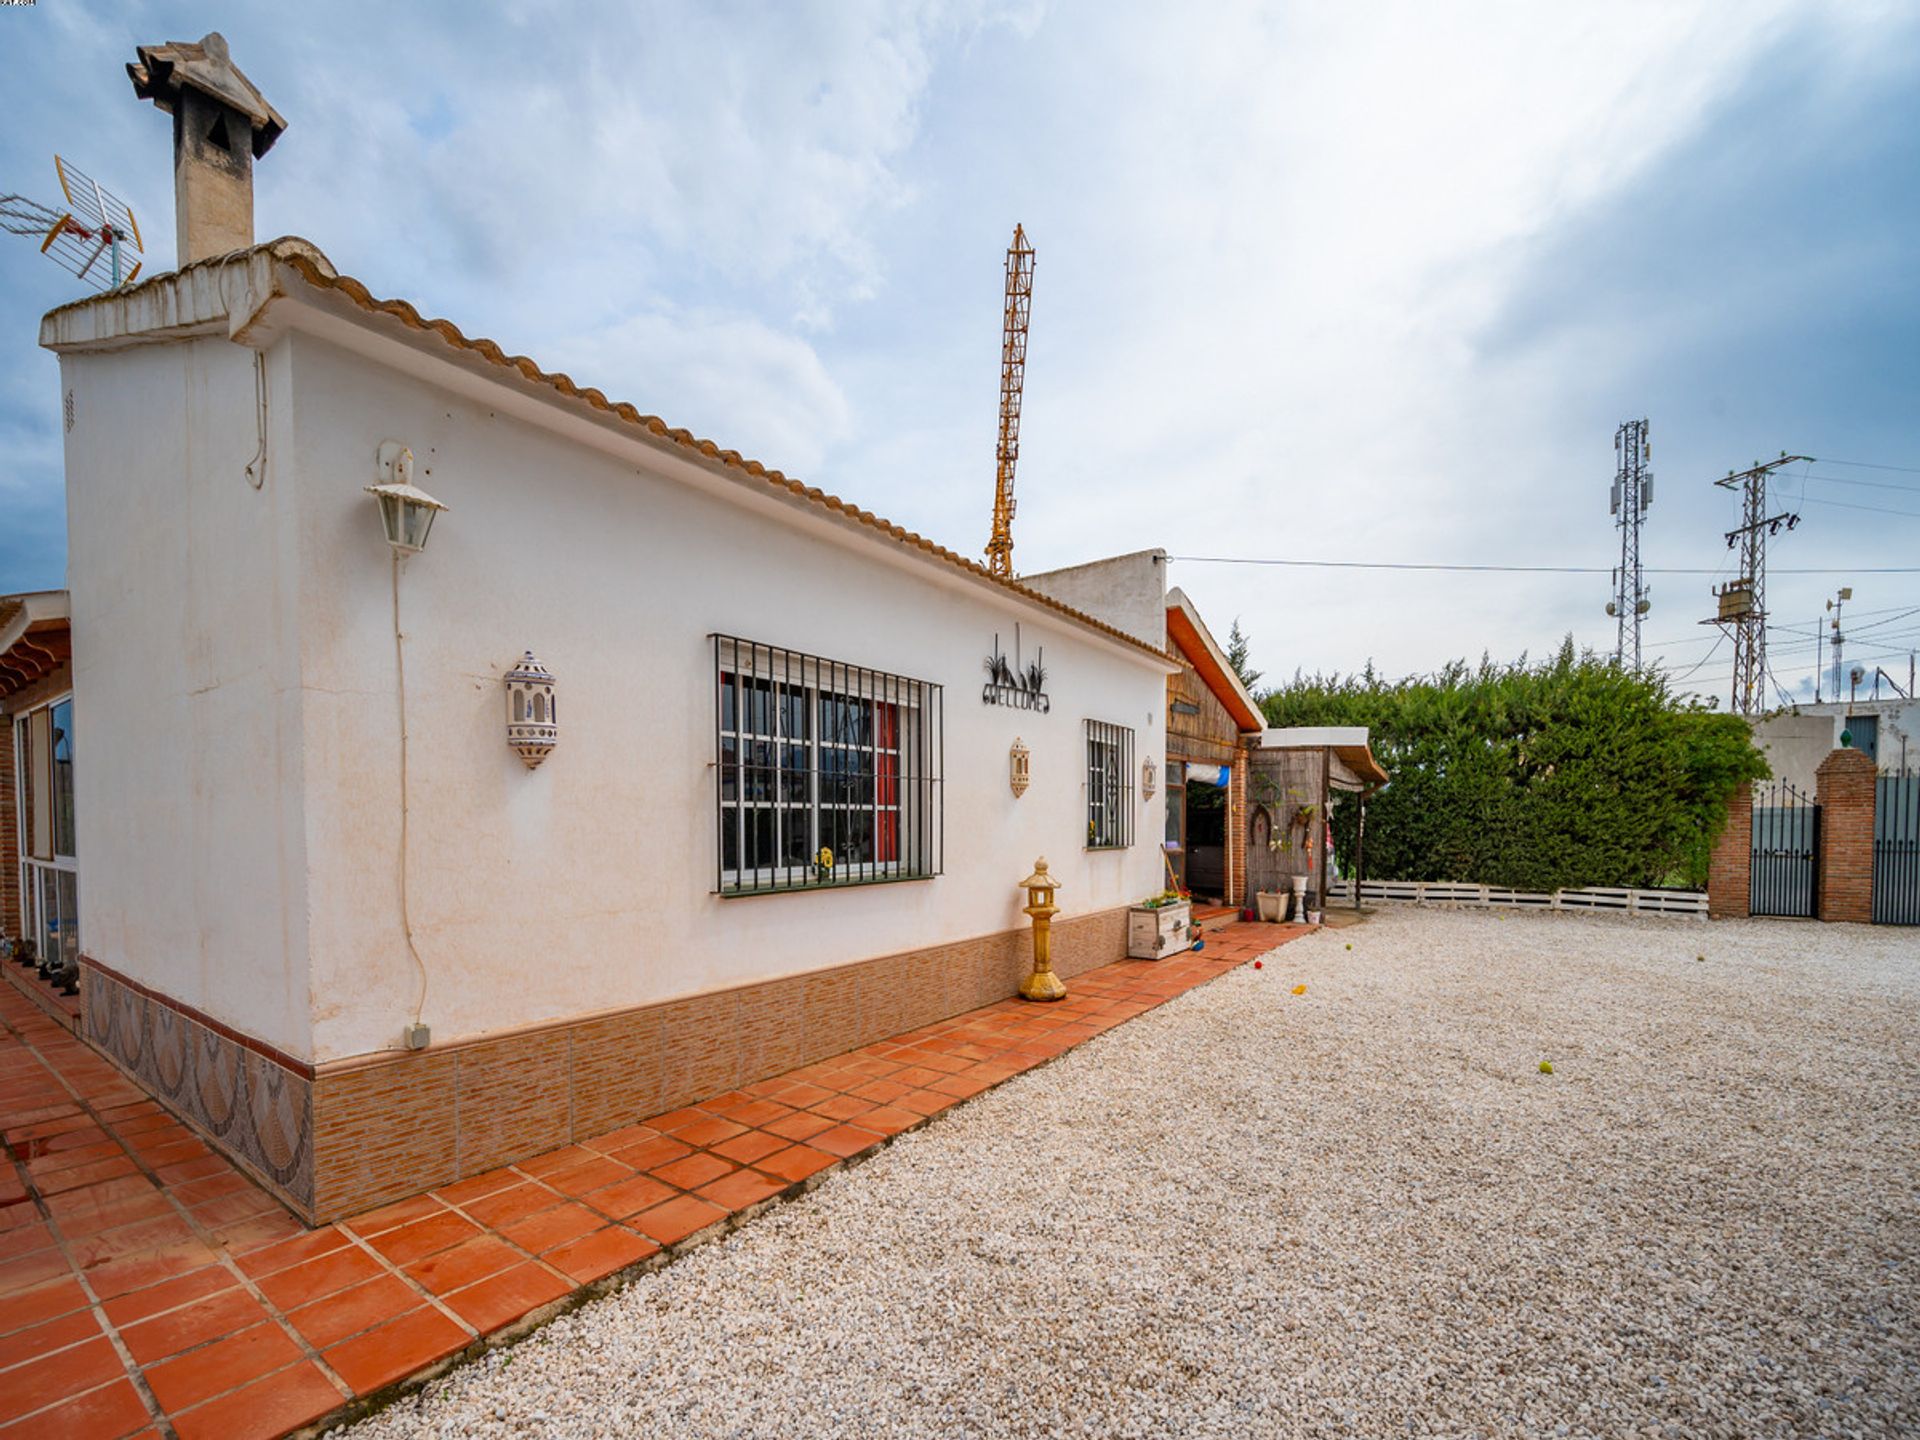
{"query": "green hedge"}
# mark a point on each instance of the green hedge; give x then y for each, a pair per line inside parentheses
(1569, 773)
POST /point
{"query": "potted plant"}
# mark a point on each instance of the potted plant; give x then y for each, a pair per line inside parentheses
(1160, 925)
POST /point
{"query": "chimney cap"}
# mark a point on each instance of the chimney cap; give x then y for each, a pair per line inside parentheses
(163, 71)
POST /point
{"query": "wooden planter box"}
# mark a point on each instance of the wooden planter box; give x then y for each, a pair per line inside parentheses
(1155, 934)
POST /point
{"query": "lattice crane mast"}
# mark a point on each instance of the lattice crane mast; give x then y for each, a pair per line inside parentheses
(1013, 375)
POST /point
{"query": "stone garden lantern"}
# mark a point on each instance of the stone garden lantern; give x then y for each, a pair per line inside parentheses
(1042, 984)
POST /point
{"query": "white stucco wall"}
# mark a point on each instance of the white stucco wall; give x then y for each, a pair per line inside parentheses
(1796, 743)
(1129, 592)
(186, 684)
(585, 885)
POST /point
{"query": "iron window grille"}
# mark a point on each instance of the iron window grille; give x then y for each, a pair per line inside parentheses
(826, 774)
(1109, 786)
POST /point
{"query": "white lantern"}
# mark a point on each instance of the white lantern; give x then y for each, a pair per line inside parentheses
(406, 513)
(533, 714)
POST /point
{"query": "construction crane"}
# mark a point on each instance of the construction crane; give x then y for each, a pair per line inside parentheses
(1013, 374)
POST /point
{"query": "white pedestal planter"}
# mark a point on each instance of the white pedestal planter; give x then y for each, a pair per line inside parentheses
(1155, 934)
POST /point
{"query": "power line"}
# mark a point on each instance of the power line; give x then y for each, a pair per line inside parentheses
(1869, 465)
(1520, 569)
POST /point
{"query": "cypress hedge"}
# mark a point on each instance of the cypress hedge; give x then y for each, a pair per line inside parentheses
(1573, 772)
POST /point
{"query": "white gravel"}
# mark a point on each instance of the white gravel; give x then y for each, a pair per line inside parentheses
(1359, 1212)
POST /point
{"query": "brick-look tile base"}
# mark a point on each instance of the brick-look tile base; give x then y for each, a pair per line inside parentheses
(1730, 870)
(1844, 785)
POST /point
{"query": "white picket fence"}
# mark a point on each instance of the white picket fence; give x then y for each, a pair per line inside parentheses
(1443, 892)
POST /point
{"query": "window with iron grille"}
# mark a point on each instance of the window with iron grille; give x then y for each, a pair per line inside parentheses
(1109, 786)
(828, 774)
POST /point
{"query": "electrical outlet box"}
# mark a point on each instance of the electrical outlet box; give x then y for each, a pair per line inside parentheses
(417, 1036)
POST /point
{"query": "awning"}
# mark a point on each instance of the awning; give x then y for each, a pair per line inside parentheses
(1349, 744)
(35, 639)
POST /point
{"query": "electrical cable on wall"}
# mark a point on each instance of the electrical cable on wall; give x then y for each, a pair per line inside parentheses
(400, 675)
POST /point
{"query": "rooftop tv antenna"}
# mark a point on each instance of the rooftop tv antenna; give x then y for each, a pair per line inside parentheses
(93, 235)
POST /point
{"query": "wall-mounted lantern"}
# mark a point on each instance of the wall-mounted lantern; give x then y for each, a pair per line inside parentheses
(406, 513)
(533, 713)
(1019, 767)
(1149, 777)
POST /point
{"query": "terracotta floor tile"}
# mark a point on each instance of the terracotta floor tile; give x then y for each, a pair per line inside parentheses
(40, 1302)
(677, 1219)
(270, 1407)
(708, 1131)
(741, 1189)
(673, 1119)
(286, 1253)
(844, 1140)
(753, 1111)
(242, 1205)
(395, 1350)
(212, 1187)
(842, 1107)
(802, 1094)
(924, 1102)
(577, 1180)
(106, 1413)
(308, 1281)
(37, 1267)
(22, 1229)
(424, 1237)
(646, 1154)
(601, 1253)
(881, 1092)
(244, 1236)
(358, 1307)
(401, 1212)
(173, 1154)
(552, 1226)
(47, 1337)
(511, 1204)
(799, 1125)
(617, 1139)
(890, 1119)
(961, 1087)
(192, 1169)
(796, 1162)
(226, 1313)
(617, 1202)
(212, 1369)
(150, 1267)
(501, 1299)
(465, 1263)
(58, 1376)
(92, 1174)
(694, 1171)
(747, 1148)
(567, 1156)
(476, 1187)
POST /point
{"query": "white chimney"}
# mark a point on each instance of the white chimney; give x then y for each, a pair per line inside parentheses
(221, 125)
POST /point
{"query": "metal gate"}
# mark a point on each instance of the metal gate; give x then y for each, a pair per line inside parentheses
(1896, 850)
(1786, 848)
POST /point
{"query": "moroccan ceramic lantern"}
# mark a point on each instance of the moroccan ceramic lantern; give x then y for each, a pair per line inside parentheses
(533, 714)
(1019, 768)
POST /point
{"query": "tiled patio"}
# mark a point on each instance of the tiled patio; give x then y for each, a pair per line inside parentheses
(147, 1287)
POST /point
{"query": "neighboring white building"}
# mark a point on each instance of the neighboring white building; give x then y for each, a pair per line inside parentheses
(746, 670)
(1887, 732)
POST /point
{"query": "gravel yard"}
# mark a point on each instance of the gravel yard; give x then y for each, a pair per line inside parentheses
(1363, 1211)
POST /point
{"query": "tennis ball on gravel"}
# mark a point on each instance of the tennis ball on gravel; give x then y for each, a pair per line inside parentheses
(1349, 944)
(1299, 989)
(1546, 1067)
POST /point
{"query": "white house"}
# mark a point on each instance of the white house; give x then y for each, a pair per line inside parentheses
(332, 915)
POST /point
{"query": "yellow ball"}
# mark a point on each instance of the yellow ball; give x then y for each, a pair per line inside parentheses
(1546, 1067)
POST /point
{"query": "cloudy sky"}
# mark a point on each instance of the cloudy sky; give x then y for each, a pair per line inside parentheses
(1333, 281)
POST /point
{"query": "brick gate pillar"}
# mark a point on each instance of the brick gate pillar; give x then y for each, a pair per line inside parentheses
(1730, 869)
(1844, 787)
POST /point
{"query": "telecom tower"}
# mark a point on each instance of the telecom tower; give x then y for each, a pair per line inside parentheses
(1632, 494)
(1743, 599)
(1013, 379)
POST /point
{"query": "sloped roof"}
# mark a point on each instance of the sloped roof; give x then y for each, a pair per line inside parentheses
(35, 640)
(1187, 630)
(173, 311)
(162, 71)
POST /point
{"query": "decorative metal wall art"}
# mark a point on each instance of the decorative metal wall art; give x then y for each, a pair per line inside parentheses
(1023, 686)
(533, 713)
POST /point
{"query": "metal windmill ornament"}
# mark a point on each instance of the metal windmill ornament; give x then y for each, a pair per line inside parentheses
(94, 235)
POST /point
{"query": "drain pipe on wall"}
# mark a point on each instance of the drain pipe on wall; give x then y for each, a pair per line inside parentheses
(406, 517)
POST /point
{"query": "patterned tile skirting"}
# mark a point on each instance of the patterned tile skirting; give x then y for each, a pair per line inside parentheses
(373, 1129)
(256, 1107)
